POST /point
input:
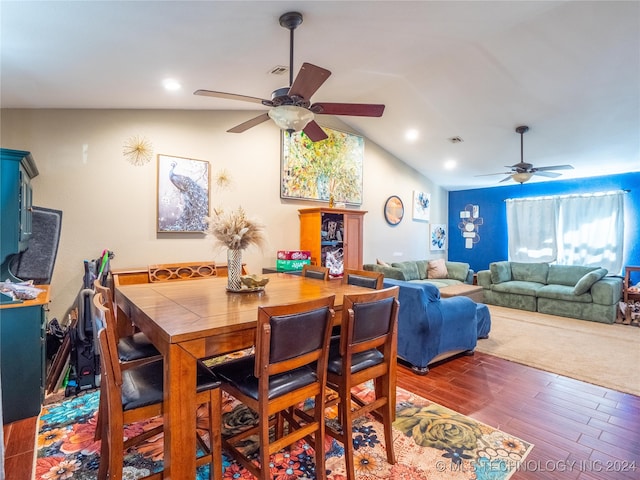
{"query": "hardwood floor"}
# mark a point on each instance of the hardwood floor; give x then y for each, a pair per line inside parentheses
(580, 431)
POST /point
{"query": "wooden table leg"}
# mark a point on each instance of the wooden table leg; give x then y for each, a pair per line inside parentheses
(179, 414)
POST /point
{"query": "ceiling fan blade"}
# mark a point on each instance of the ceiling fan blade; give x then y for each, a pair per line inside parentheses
(230, 96)
(546, 174)
(506, 179)
(554, 167)
(249, 123)
(353, 109)
(309, 79)
(489, 174)
(314, 131)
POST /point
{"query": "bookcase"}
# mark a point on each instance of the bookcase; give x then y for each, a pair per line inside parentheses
(333, 236)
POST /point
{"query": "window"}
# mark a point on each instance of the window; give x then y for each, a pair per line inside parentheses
(570, 230)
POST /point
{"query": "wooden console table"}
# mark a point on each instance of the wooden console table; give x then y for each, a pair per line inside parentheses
(474, 292)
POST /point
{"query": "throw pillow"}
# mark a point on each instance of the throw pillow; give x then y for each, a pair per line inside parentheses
(382, 262)
(457, 270)
(500, 272)
(409, 270)
(437, 269)
(585, 283)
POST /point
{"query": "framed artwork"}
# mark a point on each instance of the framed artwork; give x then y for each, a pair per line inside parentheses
(438, 236)
(183, 194)
(393, 210)
(421, 206)
(330, 168)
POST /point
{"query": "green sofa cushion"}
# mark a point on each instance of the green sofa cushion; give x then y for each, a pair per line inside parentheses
(518, 287)
(585, 283)
(422, 268)
(458, 270)
(564, 293)
(567, 274)
(409, 269)
(530, 272)
(500, 272)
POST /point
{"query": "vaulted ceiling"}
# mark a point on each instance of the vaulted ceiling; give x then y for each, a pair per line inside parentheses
(476, 70)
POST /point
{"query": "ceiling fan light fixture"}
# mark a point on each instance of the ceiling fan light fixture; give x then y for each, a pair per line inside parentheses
(291, 117)
(522, 176)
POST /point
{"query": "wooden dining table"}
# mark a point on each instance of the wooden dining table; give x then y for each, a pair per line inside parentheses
(194, 319)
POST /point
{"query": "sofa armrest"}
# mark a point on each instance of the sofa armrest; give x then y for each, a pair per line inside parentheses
(469, 279)
(388, 272)
(484, 278)
(607, 291)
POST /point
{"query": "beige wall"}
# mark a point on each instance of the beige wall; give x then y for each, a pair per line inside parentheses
(108, 203)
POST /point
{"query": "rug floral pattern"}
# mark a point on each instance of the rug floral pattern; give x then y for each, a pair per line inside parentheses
(430, 442)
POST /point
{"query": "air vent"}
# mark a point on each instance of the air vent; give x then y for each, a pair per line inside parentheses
(279, 70)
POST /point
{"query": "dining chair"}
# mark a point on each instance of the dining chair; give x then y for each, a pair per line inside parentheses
(363, 278)
(289, 367)
(315, 271)
(163, 272)
(136, 394)
(132, 349)
(365, 350)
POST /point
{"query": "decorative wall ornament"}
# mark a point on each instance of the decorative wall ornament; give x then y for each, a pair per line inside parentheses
(324, 169)
(183, 194)
(393, 210)
(470, 221)
(137, 150)
(421, 206)
(438, 236)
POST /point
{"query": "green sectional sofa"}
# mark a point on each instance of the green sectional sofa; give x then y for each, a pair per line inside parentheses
(568, 291)
(416, 271)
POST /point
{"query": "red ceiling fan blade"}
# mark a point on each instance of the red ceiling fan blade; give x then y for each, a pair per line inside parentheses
(353, 109)
(308, 81)
(231, 96)
(314, 131)
(249, 123)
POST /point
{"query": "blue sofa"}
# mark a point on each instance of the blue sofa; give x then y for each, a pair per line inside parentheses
(431, 328)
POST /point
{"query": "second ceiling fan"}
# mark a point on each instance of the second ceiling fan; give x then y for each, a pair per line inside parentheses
(292, 109)
(522, 172)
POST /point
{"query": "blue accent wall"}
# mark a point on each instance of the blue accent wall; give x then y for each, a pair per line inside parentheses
(492, 246)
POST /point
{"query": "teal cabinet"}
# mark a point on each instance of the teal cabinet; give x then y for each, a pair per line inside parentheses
(17, 168)
(23, 357)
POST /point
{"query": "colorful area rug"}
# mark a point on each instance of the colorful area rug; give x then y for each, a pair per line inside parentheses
(430, 442)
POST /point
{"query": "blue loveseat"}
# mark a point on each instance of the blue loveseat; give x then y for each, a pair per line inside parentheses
(431, 328)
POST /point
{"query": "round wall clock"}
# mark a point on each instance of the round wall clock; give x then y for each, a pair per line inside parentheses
(393, 210)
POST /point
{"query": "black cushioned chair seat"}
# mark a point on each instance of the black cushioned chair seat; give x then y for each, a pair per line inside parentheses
(359, 361)
(239, 373)
(136, 347)
(143, 385)
(362, 281)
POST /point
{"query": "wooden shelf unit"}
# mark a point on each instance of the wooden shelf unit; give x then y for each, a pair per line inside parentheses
(626, 295)
(316, 237)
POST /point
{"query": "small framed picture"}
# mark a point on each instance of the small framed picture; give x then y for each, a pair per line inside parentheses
(183, 194)
(421, 206)
(438, 236)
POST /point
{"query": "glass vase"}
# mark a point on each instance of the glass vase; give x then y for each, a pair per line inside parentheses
(234, 270)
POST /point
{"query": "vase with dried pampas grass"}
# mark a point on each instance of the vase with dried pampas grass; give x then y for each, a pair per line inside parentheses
(237, 232)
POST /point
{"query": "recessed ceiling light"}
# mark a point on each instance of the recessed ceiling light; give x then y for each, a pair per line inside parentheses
(171, 85)
(450, 164)
(411, 135)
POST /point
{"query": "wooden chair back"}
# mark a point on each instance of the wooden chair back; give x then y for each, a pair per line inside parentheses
(315, 271)
(363, 278)
(164, 272)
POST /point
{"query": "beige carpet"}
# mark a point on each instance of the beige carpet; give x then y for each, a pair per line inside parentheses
(602, 354)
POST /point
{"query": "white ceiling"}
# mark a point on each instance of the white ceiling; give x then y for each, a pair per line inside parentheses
(570, 70)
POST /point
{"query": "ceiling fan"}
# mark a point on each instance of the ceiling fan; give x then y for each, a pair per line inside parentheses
(523, 171)
(292, 109)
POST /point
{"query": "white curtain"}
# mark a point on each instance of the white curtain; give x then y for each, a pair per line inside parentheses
(531, 224)
(570, 230)
(592, 230)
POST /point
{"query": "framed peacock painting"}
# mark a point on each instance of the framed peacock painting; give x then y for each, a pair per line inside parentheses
(183, 194)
